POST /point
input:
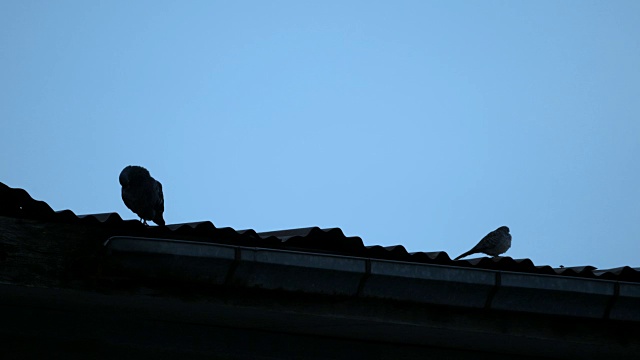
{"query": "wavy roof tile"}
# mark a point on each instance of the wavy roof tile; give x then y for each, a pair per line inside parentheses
(17, 203)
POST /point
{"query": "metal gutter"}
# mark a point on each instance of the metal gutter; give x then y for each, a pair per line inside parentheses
(237, 266)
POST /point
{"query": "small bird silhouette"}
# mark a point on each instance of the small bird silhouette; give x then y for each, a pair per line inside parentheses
(142, 194)
(495, 243)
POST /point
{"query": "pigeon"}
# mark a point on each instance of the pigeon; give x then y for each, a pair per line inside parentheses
(494, 244)
(142, 194)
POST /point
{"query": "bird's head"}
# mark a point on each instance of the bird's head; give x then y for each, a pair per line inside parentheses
(503, 229)
(133, 174)
(124, 179)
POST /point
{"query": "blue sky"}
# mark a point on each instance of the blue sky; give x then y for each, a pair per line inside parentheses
(421, 123)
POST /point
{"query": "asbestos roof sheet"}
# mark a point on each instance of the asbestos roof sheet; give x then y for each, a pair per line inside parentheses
(15, 202)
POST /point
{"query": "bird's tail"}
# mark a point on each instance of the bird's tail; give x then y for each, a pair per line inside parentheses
(465, 254)
(159, 220)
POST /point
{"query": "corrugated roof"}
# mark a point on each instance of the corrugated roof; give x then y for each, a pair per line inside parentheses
(15, 202)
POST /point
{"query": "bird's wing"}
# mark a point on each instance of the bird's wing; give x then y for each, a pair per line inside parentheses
(488, 242)
(128, 199)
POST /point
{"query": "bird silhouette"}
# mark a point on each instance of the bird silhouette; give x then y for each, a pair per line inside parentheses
(495, 243)
(142, 194)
